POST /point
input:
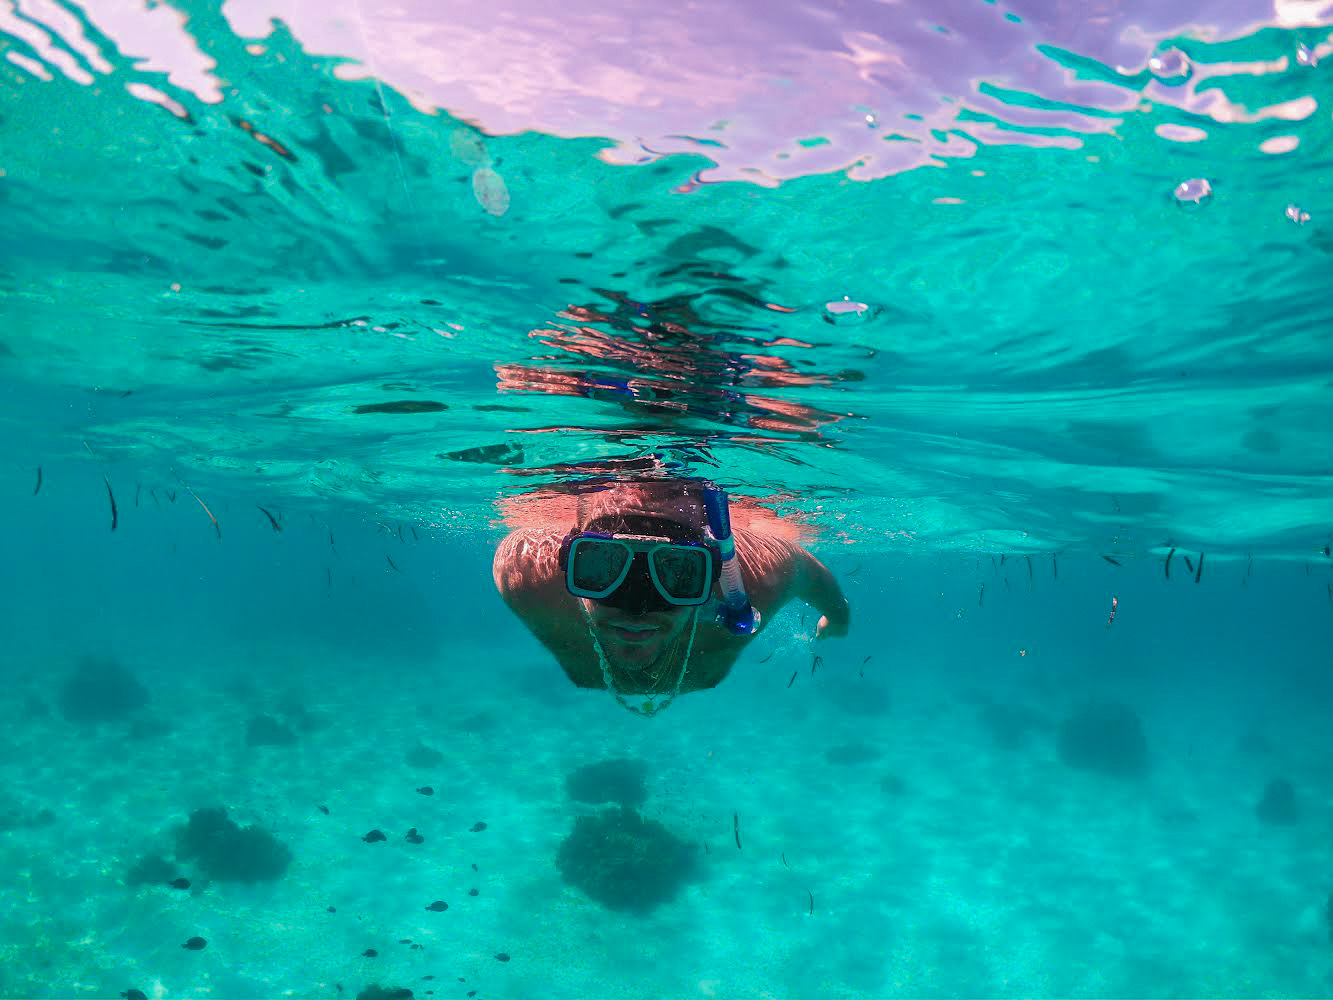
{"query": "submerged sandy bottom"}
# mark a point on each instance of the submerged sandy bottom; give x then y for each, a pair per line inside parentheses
(938, 862)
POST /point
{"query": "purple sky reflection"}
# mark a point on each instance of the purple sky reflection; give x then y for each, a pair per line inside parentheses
(656, 76)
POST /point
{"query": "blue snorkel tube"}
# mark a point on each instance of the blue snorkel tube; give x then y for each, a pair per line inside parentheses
(738, 616)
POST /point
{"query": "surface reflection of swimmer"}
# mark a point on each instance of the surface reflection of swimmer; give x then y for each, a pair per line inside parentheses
(649, 358)
(634, 587)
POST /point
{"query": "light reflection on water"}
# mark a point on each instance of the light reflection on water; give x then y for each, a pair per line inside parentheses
(395, 247)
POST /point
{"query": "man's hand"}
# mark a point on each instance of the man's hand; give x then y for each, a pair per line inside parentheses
(830, 630)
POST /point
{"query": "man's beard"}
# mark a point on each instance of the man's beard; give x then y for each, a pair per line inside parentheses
(660, 678)
(646, 678)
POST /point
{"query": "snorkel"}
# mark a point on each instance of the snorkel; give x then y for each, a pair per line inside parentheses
(737, 615)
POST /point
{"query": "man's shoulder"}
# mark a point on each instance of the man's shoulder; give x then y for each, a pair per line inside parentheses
(526, 570)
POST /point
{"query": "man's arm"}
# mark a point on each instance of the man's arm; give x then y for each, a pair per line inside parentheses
(777, 571)
(822, 592)
(526, 570)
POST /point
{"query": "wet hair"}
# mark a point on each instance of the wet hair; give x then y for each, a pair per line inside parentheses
(626, 523)
(670, 507)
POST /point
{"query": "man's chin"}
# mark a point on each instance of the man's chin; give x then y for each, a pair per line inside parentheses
(632, 655)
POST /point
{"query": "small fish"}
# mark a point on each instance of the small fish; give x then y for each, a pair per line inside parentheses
(402, 406)
(415, 536)
(328, 577)
(477, 827)
(981, 596)
(425, 790)
(1029, 559)
(138, 487)
(706, 850)
(400, 531)
(152, 492)
(736, 828)
(439, 906)
(1326, 555)
(323, 809)
(133, 994)
(271, 519)
(171, 495)
(862, 671)
(812, 901)
(814, 664)
(1006, 585)
(413, 837)
(179, 883)
(35, 490)
(391, 565)
(112, 497)
(474, 892)
(331, 545)
(1249, 564)
(768, 657)
(1189, 563)
(1199, 572)
(501, 957)
(370, 953)
(195, 944)
(855, 571)
(216, 527)
(1055, 569)
(374, 836)
(784, 860)
(1115, 605)
(1003, 557)
(1168, 563)
(793, 678)
(1111, 561)
(1329, 587)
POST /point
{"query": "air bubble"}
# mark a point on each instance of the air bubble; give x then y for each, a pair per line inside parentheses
(1306, 56)
(1193, 193)
(1295, 214)
(1171, 67)
(845, 312)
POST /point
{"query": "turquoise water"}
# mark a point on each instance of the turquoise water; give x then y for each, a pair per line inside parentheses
(965, 339)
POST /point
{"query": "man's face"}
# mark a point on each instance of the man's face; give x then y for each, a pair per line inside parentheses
(635, 642)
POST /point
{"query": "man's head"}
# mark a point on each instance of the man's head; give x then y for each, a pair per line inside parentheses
(635, 625)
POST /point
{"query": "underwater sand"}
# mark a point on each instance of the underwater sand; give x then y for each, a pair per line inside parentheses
(943, 866)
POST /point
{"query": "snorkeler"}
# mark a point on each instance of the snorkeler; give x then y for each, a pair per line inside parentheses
(634, 587)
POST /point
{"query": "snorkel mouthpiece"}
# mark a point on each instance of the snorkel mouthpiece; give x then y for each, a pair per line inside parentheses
(737, 615)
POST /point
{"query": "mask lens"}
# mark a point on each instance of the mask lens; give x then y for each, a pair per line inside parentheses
(682, 572)
(596, 566)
